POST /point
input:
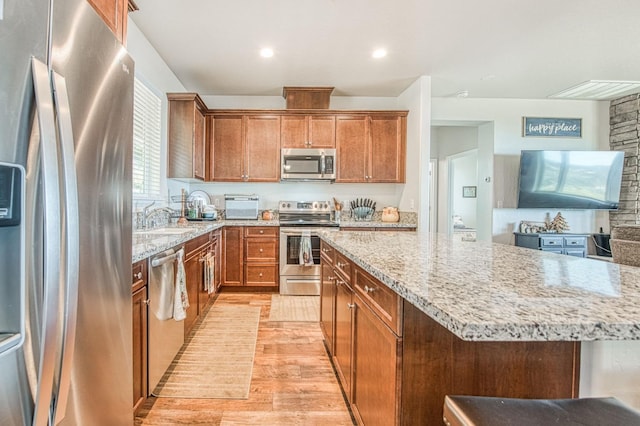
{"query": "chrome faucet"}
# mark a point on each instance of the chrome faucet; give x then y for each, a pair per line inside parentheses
(146, 214)
(156, 211)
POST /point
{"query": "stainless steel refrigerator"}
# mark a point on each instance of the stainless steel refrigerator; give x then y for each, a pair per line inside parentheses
(66, 101)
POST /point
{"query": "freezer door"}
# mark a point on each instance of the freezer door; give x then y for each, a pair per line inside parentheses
(24, 28)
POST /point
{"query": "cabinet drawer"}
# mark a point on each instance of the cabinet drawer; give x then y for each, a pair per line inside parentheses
(551, 241)
(139, 275)
(577, 252)
(260, 231)
(192, 245)
(570, 242)
(261, 250)
(343, 265)
(261, 275)
(327, 252)
(383, 301)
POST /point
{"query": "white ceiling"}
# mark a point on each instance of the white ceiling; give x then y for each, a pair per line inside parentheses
(490, 48)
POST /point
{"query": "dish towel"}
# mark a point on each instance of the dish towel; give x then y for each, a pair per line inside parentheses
(306, 255)
(181, 298)
(209, 273)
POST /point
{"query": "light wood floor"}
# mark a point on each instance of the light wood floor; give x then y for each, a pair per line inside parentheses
(293, 381)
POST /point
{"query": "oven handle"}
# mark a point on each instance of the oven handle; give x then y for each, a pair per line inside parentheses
(315, 230)
(297, 233)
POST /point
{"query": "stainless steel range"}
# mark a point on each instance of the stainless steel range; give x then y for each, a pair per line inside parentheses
(300, 223)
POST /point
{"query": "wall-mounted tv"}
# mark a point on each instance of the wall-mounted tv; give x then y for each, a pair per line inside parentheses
(570, 179)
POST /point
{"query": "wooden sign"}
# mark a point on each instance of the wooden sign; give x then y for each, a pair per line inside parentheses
(552, 127)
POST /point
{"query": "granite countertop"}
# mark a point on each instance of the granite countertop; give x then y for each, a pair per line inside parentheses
(153, 241)
(147, 244)
(484, 291)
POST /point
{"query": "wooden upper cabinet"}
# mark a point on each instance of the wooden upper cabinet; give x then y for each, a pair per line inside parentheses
(228, 148)
(114, 14)
(371, 148)
(187, 146)
(262, 138)
(352, 133)
(308, 131)
(387, 149)
(245, 148)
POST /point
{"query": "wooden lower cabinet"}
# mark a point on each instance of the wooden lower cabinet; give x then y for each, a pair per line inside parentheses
(233, 256)
(140, 307)
(327, 303)
(396, 364)
(343, 346)
(194, 266)
(376, 364)
(250, 256)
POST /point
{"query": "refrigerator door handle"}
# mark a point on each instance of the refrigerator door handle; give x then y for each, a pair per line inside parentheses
(71, 242)
(49, 340)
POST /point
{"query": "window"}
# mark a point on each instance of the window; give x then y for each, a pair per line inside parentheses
(147, 122)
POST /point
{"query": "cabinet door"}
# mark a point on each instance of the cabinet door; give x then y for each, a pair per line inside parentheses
(193, 270)
(294, 131)
(228, 148)
(140, 345)
(344, 336)
(262, 148)
(327, 303)
(376, 369)
(351, 145)
(217, 252)
(199, 146)
(322, 131)
(114, 14)
(232, 256)
(386, 154)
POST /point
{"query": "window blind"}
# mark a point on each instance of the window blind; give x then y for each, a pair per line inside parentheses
(147, 122)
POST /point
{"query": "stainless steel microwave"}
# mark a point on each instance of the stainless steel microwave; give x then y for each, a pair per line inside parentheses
(308, 164)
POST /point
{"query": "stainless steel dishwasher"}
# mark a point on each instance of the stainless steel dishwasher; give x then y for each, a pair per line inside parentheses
(166, 335)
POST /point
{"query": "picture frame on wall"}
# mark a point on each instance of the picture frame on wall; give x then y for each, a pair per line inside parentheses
(469, 191)
(551, 127)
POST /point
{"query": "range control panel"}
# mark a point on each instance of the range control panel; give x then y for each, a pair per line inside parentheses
(11, 188)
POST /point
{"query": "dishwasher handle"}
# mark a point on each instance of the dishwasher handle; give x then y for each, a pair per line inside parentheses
(161, 260)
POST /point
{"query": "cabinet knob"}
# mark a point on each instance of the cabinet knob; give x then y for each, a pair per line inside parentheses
(261, 250)
(260, 274)
(351, 305)
(368, 289)
(331, 278)
(146, 302)
(137, 276)
(262, 231)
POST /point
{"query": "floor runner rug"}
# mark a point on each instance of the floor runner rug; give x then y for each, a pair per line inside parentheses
(217, 361)
(294, 308)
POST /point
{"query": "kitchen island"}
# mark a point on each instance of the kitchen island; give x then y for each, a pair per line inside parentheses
(477, 318)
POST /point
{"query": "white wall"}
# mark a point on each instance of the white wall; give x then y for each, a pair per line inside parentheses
(153, 71)
(506, 116)
(415, 193)
(464, 172)
(448, 141)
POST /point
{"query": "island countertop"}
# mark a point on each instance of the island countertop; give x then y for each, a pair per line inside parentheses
(483, 291)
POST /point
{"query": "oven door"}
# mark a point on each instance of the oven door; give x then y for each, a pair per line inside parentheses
(297, 279)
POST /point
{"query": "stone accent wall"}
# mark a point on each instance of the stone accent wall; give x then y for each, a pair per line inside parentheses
(624, 135)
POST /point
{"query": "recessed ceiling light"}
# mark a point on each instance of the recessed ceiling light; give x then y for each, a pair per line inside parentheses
(379, 53)
(601, 90)
(266, 52)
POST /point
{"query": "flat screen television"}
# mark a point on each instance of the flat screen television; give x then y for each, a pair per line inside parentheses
(570, 179)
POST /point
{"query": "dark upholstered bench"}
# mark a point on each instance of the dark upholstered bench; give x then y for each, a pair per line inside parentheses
(489, 411)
